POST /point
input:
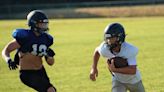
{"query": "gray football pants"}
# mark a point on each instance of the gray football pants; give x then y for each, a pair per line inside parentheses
(123, 87)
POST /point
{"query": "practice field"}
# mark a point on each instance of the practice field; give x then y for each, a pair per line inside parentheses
(75, 41)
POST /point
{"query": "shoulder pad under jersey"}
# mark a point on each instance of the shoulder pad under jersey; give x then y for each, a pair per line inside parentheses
(21, 35)
(50, 39)
(132, 51)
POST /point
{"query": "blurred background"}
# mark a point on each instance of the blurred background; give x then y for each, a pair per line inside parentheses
(18, 9)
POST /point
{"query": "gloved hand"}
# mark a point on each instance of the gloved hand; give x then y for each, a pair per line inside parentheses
(12, 65)
(50, 53)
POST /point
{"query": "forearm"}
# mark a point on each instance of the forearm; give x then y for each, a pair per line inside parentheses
(126, 70)
(95, 59)
(50, 56)
(6, 54)
(13, 45)
(50, 61)
(94, 70)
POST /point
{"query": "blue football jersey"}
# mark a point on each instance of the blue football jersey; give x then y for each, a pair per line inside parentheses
(29, 42)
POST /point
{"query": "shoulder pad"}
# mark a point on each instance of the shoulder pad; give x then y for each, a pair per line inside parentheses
(132, 51)
(104, 51)
(21, 35)
(51, 39)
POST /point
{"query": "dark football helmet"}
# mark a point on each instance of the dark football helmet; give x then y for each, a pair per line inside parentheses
(38, 21)
(114, 30)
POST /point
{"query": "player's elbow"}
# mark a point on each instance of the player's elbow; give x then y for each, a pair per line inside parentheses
(4, 52)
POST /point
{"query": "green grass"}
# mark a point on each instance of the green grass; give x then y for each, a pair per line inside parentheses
(75, 41)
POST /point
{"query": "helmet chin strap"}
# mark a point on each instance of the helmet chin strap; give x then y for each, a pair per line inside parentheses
(113, 46)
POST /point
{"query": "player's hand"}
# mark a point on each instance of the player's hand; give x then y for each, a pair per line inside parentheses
(93, 74)
(12, 65)
(111, 66)
(50, 52)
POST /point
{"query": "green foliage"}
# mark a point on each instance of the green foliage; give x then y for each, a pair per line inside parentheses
(75, 41)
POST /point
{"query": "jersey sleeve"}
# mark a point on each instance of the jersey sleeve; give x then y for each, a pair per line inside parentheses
(132, 56)
(51, 40)
(104, 50)
(99, 49)
(20, 35)
(132, 61)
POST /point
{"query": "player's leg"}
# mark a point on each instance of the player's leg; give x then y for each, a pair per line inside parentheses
(118, 86)
(37, 80)
(46, 82)
(137, 87)
(30, 78)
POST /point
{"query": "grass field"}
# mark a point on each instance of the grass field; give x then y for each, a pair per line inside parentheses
(75, 41)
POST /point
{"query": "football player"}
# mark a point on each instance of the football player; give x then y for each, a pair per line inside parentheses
(32, 44)
(114, 45)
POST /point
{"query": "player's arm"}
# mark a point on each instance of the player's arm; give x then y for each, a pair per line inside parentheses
(94, 70)
(50, 60)
(132, 63)
(131, 69)
(50, 56)
(11, 46)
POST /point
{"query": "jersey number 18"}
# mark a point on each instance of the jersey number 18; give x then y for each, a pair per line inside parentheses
(39, 50)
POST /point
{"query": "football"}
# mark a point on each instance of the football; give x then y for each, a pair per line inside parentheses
(119, 62)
